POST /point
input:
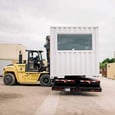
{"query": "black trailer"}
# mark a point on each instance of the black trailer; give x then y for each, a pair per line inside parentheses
(76, 84)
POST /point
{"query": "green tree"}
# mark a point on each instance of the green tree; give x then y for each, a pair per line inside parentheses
(104, 63)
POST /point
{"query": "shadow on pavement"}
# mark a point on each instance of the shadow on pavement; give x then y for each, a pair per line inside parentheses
(61, 93)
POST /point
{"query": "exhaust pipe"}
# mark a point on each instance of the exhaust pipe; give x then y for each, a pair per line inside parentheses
(20, 57)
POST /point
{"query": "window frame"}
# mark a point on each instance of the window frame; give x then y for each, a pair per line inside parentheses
(87, 50)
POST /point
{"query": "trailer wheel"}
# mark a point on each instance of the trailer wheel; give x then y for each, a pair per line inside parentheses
(9, 79)
(45, 80)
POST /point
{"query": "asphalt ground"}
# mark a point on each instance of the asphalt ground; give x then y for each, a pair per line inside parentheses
(37, 100)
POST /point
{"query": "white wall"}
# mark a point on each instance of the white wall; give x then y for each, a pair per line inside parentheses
(74, 62)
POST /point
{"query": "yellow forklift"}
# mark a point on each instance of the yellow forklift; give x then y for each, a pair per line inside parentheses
(30, 72)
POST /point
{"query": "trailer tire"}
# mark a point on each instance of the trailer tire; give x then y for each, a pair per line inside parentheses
(9, 79)
(45, 80)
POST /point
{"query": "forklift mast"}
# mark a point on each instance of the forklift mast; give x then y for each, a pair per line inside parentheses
(47, 46)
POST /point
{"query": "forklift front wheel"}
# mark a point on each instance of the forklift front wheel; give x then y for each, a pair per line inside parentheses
(45, 80)
(9, 79)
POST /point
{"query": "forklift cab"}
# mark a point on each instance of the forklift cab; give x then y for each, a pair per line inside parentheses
(35, 61)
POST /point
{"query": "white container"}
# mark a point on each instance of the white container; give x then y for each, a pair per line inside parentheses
(73, 51)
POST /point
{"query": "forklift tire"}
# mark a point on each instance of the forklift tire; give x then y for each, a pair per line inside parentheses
(45, 80)
(9, 79)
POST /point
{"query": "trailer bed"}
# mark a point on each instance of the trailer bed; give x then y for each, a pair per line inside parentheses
(75, 84)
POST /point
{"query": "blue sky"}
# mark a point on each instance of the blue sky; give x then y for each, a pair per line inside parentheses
(27, 22)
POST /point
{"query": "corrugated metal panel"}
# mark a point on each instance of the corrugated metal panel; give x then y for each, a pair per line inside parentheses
(74, 62)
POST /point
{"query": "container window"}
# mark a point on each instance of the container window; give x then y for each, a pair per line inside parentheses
(74, 41)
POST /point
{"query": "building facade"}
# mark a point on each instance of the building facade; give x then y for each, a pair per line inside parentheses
(9, 54)
(111, 70)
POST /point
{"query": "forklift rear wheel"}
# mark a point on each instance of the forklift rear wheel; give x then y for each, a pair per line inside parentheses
(9, 79)
(45, 80)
